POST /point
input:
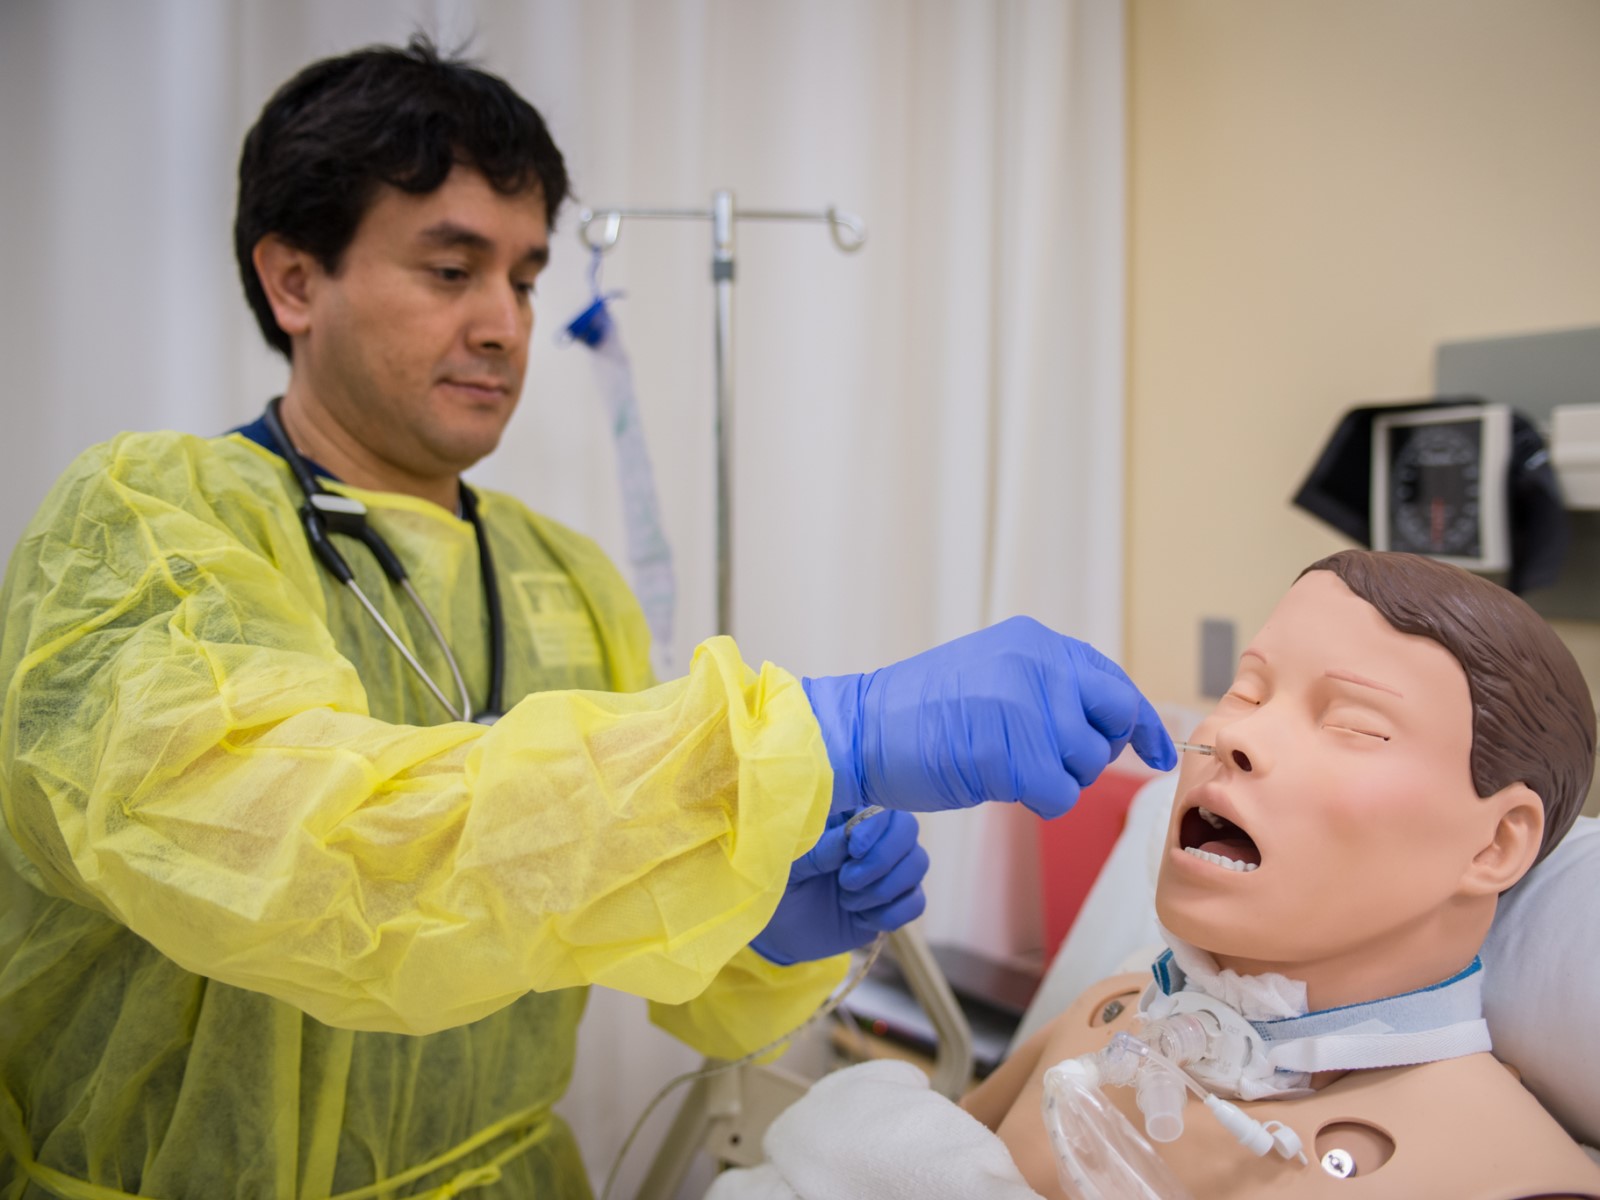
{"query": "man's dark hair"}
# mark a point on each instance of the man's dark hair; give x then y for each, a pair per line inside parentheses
(329, 137)
(1533, 719)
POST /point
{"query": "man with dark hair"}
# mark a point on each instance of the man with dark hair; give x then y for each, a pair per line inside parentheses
(330, 782)
(345, 127)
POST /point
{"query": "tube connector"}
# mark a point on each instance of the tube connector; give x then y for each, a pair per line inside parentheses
(1085, 1072)
(1247, 1131)
(1161, 1097)
(1182, 1037)
(1121, 1060)
(1253, 1135)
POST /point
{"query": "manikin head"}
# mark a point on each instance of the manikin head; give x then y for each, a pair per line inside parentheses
(1402, 742)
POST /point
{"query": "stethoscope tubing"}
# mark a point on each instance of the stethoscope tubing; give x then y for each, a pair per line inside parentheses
(325, 513)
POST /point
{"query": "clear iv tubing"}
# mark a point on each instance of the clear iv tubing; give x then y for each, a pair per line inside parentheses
(831, 1003)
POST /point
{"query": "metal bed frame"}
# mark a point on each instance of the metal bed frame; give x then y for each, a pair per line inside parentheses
(724, 1115)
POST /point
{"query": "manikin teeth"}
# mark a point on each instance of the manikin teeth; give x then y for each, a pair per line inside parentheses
(1211, 818)
(1232, 864)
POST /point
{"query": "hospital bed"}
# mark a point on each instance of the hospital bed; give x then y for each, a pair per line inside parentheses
(725, 1114)
(1543, 960)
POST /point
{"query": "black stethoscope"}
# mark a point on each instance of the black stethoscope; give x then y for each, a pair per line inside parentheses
(325, 513)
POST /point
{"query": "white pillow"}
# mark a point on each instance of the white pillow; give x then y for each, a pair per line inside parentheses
(1542, 981)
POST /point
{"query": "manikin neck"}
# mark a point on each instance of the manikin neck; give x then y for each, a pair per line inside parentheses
(1406, 961)
(1441, 1019)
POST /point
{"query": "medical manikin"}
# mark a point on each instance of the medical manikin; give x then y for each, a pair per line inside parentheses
(1402, 742)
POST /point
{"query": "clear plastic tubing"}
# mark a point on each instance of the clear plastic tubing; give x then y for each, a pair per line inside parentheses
(1099, 1155)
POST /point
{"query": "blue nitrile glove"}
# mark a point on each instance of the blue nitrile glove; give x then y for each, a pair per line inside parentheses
(846, 889)
(1014, 712)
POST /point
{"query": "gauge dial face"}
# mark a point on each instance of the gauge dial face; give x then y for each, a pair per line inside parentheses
(1434, 489)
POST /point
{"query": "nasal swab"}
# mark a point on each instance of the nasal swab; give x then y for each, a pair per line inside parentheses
(1195, 747)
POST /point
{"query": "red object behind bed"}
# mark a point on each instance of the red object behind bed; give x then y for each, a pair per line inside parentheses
(1073, 848)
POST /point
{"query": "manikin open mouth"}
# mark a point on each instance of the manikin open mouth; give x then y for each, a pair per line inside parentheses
(1217, 840)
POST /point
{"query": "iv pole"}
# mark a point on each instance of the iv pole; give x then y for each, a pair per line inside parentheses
(599, 229)
(728, 1112)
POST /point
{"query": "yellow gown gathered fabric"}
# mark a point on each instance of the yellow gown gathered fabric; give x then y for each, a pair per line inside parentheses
(272, 926)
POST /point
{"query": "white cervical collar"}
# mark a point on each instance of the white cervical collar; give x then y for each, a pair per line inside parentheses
(1289, 1044)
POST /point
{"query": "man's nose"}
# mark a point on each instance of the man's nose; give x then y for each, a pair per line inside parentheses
(501, 320)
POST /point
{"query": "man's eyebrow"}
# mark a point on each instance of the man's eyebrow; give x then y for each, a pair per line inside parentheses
(448, 234)
(1362, 681)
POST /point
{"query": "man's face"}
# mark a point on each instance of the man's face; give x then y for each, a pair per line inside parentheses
(1342, 771)
(418, 343)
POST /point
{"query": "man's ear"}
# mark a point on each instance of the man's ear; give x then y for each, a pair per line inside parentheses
(1514, 840)
(288, 275)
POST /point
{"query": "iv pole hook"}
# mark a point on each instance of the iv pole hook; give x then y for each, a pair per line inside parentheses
(599, 229)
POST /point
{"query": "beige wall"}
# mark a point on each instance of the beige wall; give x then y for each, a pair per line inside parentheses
(1322, 191)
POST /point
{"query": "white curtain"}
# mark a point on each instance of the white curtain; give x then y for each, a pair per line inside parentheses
(928, 433)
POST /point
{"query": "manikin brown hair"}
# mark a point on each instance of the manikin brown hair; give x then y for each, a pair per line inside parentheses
(1533, 719)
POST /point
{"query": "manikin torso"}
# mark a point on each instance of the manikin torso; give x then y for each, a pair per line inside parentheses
(1463, 1128)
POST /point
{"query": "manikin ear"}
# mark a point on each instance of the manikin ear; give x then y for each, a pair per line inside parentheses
(1514, 842)
(288, 276)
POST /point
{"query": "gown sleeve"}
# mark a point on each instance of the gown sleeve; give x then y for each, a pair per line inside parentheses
(751, 1001)
(184, 747)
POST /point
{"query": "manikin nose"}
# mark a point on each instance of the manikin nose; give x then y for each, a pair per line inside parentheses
(1226, 748)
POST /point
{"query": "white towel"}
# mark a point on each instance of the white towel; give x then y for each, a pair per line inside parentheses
(876, 1132)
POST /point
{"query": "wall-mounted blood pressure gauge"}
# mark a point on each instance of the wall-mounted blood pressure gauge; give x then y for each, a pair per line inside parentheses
(1439, 484)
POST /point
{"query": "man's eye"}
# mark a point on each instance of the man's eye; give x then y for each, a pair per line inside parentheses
(525, 289)
(450, 274)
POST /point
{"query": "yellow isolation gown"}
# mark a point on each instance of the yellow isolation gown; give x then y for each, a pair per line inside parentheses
(268, 928)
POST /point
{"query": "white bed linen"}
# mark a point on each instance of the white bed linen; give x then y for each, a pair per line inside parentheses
(877, 1130)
